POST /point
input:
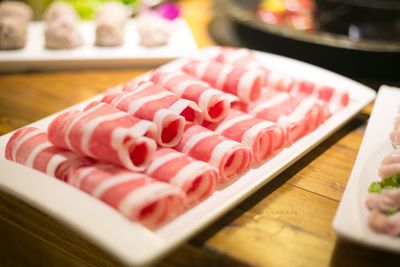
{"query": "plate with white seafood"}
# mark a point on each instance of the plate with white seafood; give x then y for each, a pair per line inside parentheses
(369, 211)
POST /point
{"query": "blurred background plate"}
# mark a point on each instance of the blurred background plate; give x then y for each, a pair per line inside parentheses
(36, 57)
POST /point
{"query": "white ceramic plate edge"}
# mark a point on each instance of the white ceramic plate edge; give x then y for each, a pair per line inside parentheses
(35, 57)
(350, 221)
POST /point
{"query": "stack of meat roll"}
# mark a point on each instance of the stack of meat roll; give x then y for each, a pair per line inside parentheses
(61, 29)
(136, 195)
(158, 145)
(149, 101)
(245, 84)
(230, 157)
(14, 19)
(213, 103)
(337, 98)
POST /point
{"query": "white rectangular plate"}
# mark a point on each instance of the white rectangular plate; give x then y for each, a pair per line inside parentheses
(131, 243)
(351, 217)
(131, 54)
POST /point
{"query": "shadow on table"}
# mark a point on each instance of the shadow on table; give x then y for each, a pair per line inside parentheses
(347, 253)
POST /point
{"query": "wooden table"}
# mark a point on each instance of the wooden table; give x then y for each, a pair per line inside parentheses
(285, 223)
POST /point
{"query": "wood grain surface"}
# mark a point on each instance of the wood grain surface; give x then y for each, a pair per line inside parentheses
(285, 223)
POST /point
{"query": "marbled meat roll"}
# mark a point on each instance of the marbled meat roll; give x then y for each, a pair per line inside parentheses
(231, 158)
(263, 137)
(105, 133)
(136, 195)
(29, 146)
(296, 115)
(337, 98)
(196, 178)
(245, 84)
(149, 101)
(214, 103)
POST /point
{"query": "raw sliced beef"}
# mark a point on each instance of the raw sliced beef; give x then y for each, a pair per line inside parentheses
(136, 195)
(263, 137)
(212, 102)
(105, 133)
(244, 58)
(141, 98)
(29, 146)
(245, 84)
(230, 157)
(297, 116)
(196, 178)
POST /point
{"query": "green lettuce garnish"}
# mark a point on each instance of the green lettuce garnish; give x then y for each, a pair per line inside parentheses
(390, 182)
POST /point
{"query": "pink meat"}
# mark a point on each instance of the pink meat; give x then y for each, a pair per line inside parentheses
(148, 95)
(244, 58)
(388, 200)
(105, 133)
(196, 178)
(30, 147)
(381, 223)
(390, 164)
(395, 134)
(263, 137)
(335, 98)
(297, 116)
(245, 84)
(230, 157)
(212, 102)
(151, 102)
(137, 196)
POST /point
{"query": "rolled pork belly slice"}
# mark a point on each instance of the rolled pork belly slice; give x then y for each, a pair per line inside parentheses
(151, 102)
(382, 223)
(58, 10)
(245, 58)
(153, 94)
(241, 57)
(231, 158)
(16, 9)
(105, 133)
(13, 33)
(263, 137)
(62, 33)
(245, 84)
(296, 115)
(336, 98)
(29, 146)
(110, 24)
(137, 196)
(196, 178)
(214, 103)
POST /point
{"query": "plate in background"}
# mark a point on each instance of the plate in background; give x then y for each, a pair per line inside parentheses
(36, 57)
(351, 217)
